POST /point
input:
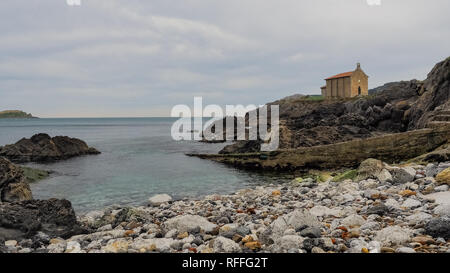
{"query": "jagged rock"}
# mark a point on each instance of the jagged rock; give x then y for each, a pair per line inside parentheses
(53, 217)
(13, 186)
(43, 148)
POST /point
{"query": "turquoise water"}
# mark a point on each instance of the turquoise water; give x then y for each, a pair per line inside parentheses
(139, 159)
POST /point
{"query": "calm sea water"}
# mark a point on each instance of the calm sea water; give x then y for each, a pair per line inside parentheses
(139, 159)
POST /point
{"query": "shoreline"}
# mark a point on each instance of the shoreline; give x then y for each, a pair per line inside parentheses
(384, 209)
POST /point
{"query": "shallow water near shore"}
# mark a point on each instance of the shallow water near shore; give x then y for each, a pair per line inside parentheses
(139, 159)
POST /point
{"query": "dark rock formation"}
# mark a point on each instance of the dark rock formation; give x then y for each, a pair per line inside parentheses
(53, 217)
(43, 148)
(13, 186)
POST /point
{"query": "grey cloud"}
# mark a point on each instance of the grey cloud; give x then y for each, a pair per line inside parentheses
(131, 57)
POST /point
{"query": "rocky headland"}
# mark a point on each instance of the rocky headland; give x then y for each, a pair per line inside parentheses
(15, 114)
(43, 148)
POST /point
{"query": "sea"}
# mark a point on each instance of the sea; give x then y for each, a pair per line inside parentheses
(138, 159)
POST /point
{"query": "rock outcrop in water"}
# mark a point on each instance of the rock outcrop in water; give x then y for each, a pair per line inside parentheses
(43, 148)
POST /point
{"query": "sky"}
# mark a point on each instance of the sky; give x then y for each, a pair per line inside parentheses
(126, 58)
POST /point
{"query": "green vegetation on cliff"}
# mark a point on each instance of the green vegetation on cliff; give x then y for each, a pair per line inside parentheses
(14, 114)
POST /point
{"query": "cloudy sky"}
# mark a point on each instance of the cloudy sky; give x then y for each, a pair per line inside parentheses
(110, 58)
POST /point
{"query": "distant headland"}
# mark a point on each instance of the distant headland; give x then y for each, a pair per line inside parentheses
(15, 114)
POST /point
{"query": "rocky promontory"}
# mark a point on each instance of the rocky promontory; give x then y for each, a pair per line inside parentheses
(15, 114)
(43, 148)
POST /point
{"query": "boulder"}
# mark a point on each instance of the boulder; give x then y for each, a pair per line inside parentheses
(54, 217)
(393, 235)
(13, 186)
(43, 148)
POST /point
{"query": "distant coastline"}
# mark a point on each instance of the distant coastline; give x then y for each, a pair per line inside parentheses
(15, 114)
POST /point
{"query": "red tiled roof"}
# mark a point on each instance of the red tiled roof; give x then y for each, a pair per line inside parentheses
(342, 75)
